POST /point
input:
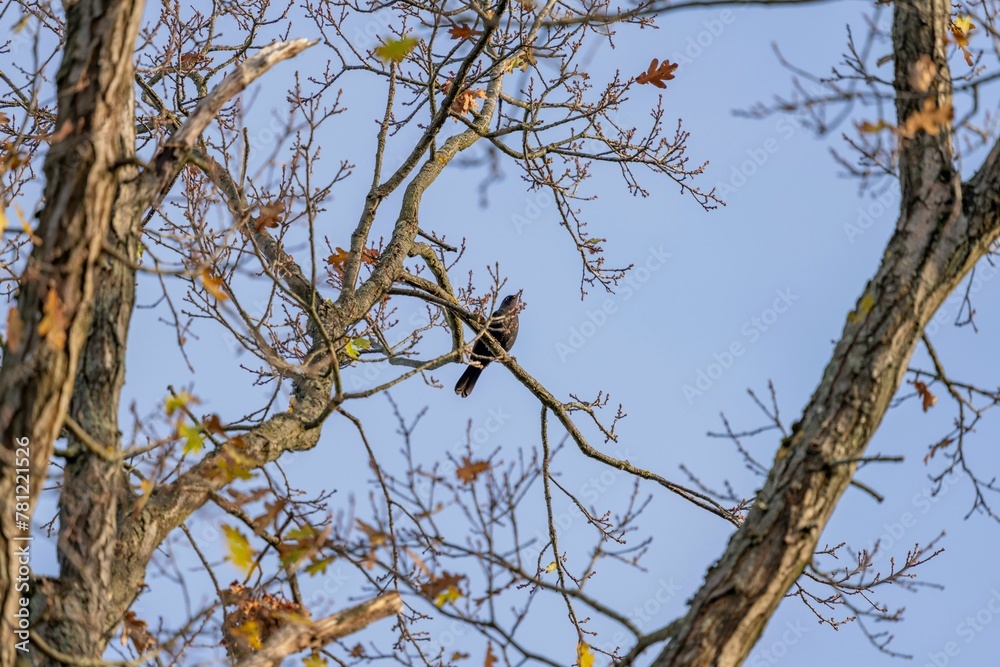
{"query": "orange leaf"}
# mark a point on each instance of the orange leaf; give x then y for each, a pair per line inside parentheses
(338, 260)
(960, 29)
(930, 119)
(192, 59)
(657, 73)
(463, 31)
(873, 128)
(213, 284)
(470, 470)
(54, 321)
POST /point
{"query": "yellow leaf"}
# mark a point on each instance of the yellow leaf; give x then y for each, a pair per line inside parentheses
(396, 49)
(315, 660)
(3, 219)
(450, 594)
(177, 401)
(240, 552)
(963, 24)
(584, 657)
(858, 315)
(250, 632)
(194, 439)
(551, 567)
(354, 347)
(319, 566)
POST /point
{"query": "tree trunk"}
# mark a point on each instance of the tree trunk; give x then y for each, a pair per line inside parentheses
(944, 228)
(91, 143)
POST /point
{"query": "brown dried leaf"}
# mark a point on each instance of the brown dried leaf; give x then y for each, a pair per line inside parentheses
(657, 74)
(470, 470)
(466, 101)
(437, 585)
(463, 31)
(928, 399)
(271, 512)
(137, 632)
(15, 330)
(934, 448)
(192, 59)
(271, 214)
(213, 424)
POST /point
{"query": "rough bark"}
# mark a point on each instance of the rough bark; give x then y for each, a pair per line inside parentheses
(94, 84)
(317, 634)
(76, 613)
(943, 229)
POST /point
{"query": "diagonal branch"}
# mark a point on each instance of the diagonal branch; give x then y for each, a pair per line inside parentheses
(317, 634)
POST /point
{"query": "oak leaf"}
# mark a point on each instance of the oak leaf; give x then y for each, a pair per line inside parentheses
(137, 631)
(271, 214)
(466, 101)
(657, 73)
(463, 31)
(927, 398)
(960, 29)
(470, 470)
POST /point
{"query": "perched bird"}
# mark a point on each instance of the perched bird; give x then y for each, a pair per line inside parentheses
(503, 327)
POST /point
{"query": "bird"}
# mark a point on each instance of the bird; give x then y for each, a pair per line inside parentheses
(503, 327)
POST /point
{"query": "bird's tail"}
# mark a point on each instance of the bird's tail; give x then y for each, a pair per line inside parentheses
(468, 380)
